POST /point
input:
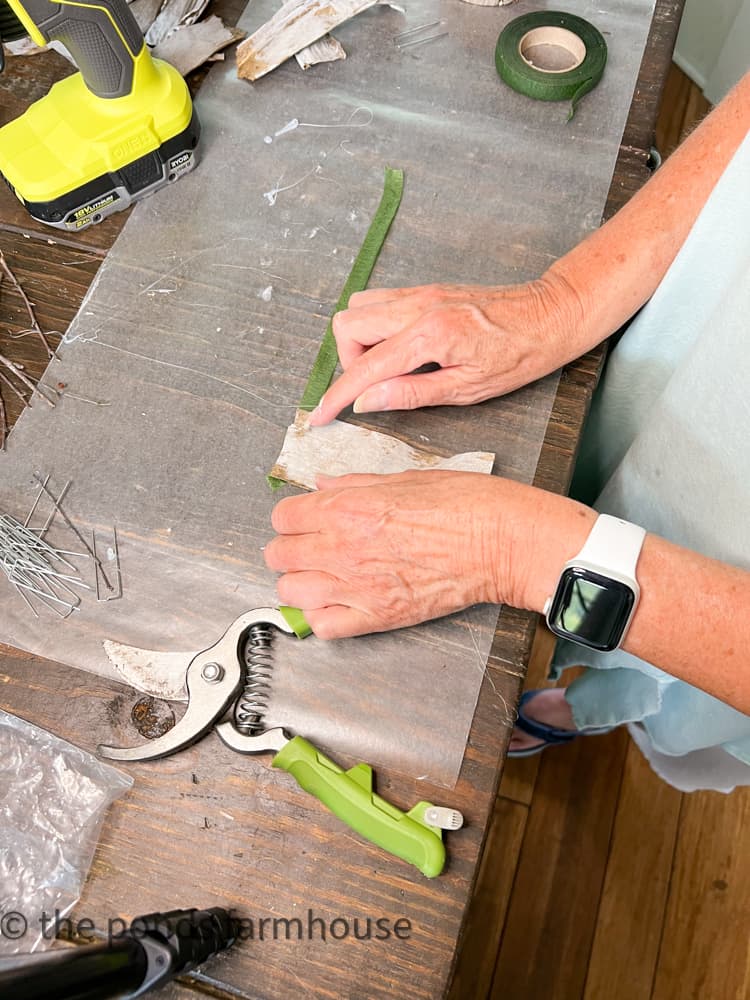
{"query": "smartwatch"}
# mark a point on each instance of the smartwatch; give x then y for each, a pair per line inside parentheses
(597, 593)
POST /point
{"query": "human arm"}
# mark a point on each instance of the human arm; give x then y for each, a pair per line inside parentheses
(490, 340)
(372, 553)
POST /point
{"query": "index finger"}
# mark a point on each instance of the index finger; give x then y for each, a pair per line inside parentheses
(398, 356)
(436, 291)
(360, 327)
(373, 296)
(298, 515)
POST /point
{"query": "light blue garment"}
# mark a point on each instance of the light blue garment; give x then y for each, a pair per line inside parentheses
(669, 440)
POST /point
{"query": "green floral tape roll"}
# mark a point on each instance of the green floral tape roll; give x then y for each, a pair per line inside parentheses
(525, 45)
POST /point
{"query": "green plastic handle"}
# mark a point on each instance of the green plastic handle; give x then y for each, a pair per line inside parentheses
(349, 795)
(296, 621)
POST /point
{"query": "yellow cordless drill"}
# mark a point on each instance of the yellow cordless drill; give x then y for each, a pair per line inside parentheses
(119, 129)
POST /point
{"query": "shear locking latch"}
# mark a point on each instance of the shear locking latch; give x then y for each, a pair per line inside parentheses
(444, 819)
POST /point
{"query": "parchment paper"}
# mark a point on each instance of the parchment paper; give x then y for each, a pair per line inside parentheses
(202, 325)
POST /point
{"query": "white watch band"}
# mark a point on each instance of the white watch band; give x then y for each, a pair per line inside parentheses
(613, 545)
(599, 586)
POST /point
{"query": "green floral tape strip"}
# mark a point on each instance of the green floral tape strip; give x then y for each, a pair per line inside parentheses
(327, 359)
(325, 363)
(567, 85)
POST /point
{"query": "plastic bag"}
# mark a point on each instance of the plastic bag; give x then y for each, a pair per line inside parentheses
(53, 797)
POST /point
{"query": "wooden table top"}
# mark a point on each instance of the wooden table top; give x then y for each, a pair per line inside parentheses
(188, 834)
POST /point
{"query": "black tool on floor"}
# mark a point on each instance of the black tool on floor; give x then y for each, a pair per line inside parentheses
(152, 951)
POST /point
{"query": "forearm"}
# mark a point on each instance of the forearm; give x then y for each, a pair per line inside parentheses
(617, 269)
(693, 619)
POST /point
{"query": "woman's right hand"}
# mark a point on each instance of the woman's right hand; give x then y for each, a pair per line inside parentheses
(486, 340)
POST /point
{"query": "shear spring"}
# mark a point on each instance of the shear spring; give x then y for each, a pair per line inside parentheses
(253, 702)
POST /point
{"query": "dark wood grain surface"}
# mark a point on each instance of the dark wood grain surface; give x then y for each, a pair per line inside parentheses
(189, 834)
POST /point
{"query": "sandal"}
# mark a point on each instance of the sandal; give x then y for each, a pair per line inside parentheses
(549, 735)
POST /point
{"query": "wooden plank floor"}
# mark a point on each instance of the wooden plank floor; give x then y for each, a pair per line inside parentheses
(599, 881)
(683, 106)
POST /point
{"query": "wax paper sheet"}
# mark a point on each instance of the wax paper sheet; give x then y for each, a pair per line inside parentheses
(202, 325)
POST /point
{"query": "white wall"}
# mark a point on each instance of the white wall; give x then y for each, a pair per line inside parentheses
(713, 46)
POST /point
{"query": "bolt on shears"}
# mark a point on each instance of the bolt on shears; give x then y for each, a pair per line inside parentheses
(231, 681)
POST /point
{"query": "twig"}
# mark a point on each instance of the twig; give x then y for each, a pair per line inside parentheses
(39, 385)
(72, 395)
(29, 308)
(24, 378)
(27, 333)
(13, 388)
(17, 370)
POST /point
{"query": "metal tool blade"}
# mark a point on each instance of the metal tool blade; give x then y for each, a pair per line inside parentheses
(211, 689)
(159, 674)
(272, 740)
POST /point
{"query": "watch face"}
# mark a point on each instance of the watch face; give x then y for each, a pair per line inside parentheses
(590, 608)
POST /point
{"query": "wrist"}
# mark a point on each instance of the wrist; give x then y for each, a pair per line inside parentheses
(598, 296)
(564, 313)
(557, 535)
(538, 533)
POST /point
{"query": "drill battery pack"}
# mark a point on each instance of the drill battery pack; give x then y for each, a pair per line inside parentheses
(74, 158)
(117, 189)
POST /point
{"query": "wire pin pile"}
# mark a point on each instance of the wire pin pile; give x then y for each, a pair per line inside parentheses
(33, 566)
(43, 574)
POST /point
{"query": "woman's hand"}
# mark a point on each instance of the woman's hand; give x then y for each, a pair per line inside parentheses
(372, 553)
(487, 341)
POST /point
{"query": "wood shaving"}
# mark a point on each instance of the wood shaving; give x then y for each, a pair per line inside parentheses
(326, 49)
(175, 13)
(295, 26)
(190, 46)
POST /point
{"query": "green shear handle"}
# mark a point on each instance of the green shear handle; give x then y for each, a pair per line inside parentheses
(349, 795)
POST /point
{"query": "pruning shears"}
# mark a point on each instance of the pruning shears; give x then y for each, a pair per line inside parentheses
(232, 679)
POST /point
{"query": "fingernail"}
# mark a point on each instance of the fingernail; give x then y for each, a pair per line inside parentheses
(315, 415)
(371, 401)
